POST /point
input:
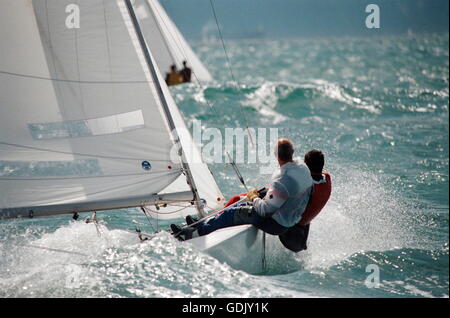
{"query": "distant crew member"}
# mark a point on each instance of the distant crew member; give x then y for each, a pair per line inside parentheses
(186, 73)
(173, 77)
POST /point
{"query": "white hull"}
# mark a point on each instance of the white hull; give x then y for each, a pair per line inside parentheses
(242, 247)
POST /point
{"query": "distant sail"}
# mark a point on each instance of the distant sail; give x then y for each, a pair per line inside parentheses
(166, 42)
(81, 123)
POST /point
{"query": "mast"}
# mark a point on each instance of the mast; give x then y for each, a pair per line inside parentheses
(165, 107)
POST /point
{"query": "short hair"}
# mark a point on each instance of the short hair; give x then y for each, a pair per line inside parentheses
(315, 161)
(285, 149)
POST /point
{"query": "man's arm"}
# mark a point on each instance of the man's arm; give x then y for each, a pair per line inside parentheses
(274, 199)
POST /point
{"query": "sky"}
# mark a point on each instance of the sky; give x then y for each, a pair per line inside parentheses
(305, 18)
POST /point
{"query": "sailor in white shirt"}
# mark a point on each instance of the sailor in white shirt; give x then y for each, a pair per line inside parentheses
(281, 207)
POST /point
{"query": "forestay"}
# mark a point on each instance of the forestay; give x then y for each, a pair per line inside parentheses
(81, 123)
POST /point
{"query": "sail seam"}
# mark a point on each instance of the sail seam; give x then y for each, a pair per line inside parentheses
(108, 48)
(56, 86)
(77, 153)
(72, 81)
(90, 177)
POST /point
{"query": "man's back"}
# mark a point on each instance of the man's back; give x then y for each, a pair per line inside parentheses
(288, 194)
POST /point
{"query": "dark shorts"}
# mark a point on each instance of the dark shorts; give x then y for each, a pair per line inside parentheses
(295, 238)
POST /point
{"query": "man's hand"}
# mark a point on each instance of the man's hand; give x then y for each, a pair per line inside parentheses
(252, 194)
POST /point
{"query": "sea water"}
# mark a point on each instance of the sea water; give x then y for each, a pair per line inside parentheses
(377, 108)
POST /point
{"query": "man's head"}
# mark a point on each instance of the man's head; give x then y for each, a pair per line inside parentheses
(315, 161)
(173, 67)
(184, 63)
(284, 150)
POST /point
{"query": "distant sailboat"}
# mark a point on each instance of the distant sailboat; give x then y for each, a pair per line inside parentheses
(168, 45)
(88, 123)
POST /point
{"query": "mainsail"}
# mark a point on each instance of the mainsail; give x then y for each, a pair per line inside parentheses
(82, 125)
(167, 44)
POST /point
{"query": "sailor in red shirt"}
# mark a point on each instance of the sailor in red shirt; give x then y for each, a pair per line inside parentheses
(319, 197)
(295, 238)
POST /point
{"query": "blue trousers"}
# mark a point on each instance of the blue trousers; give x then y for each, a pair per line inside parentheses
(239, 215)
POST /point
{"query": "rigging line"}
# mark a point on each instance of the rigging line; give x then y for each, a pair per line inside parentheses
(13, 178)
(77, 153)
(236, 169)
(150, 236)
(144, 210)
(167, 213)
(97, 227)
(182, 207)
(72, 81)
(215, 213)
(93, 219)
(230, 69)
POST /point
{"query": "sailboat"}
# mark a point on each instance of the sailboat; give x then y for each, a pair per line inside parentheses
(88, 123)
